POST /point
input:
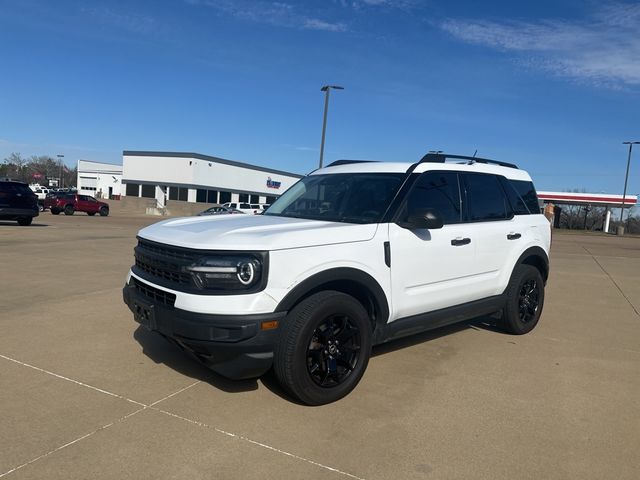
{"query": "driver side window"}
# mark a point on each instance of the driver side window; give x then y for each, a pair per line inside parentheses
(437, 190)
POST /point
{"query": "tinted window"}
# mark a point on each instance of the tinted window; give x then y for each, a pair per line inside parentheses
(201, 196)
(243, 197)
(212, 196)
(516, 201)
(437, 190)
(527, 191)
(245, 205)
(485, 198)
(340, 197)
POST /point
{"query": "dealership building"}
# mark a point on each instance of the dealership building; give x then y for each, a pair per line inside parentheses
(99, 179)
(193, 177)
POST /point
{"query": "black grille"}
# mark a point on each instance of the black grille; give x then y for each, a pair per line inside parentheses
(164, 262)
(156, 294)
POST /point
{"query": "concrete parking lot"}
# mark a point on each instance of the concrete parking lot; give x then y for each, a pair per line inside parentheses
(86, 393)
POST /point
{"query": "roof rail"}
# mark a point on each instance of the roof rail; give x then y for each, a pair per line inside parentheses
(442, 158)
(347, 162)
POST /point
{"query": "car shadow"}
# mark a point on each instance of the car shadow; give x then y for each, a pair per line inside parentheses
(13, 223)
(163, 351)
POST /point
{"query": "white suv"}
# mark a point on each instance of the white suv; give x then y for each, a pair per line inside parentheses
(353, 255)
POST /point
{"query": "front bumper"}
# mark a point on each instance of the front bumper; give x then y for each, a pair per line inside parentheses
(234, 346)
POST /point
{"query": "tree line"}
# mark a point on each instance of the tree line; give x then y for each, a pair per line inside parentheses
(37, 169)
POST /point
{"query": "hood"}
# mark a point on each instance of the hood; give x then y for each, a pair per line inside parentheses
(254, 232)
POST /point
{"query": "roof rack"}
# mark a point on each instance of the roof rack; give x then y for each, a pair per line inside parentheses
(347, 162)
(442, 158)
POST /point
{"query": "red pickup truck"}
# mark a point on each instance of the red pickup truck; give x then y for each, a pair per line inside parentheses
(72, 202)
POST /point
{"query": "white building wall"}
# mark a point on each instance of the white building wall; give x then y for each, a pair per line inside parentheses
(96, 177)
(197, 173)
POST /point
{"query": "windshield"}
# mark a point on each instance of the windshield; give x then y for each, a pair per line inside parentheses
(339, 197)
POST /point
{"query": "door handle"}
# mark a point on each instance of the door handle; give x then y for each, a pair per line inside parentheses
(456, 242)
(513, 236)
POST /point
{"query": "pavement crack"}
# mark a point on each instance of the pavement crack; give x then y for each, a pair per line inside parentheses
(258, 444)
(613, 281)
(72, 442)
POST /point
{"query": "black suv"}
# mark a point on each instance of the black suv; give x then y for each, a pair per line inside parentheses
(17, 202)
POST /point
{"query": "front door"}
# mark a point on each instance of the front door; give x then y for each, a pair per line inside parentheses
(430, 268)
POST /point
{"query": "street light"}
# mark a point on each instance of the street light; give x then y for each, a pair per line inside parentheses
(326, 90)
(626, 177)
(61, 184)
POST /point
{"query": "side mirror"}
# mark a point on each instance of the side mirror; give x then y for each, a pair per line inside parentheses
(428, 218)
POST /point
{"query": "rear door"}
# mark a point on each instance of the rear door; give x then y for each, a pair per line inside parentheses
(494, 228)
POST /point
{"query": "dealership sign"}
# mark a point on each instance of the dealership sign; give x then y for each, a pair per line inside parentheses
(273, 183)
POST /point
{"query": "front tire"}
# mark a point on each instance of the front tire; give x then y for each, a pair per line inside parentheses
(55, 211)
(525, 299)
(68, 210)
(324, 348)
(24, 221)
(104, 211)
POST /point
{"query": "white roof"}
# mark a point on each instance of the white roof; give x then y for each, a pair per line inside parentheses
(401, 167)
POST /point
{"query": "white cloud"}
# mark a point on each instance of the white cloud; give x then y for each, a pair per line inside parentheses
(603, 49)
(272, 13)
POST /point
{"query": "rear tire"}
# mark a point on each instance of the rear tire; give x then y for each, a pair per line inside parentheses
(55, 211)
(24, 221)
(68, 210)
(91, 214)
(104, 211)
(324, 348)
(525, 299)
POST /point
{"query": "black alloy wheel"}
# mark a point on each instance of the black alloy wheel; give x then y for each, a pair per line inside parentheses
(323, 347)
(528, 300)
(333, 352)
(524, 300)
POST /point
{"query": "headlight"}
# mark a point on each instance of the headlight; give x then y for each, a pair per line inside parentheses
(233, 272)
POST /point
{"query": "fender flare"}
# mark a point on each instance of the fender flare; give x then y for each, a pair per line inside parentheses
(341, 279)
(536, 257)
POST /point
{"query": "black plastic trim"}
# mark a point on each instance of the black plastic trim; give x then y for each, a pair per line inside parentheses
(232, 345)
(539, 253)
(341, 274)
(439, 318)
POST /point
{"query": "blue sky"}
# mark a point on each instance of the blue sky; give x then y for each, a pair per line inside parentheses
(553, 86)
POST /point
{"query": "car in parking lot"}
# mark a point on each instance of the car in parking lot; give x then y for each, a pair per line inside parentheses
(353, 255)
(243, 207)
(69, 203)
(220, 210)
(17, 202)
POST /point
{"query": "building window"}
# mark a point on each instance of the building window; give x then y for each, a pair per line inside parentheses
(225, 197)
(201, 196)
(243, 197)
(255, 199)
(212, 196)
(148, 191)
(178, 193)
(133, 190)
(270, 200)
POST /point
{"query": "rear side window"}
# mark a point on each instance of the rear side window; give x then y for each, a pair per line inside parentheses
(527, 192)
(437, 190)
(485, 199)
(517, 203)
(14, 187)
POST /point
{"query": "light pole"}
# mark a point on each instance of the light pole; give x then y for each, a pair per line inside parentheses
(626, 177)
(326, 90)
(61, 181)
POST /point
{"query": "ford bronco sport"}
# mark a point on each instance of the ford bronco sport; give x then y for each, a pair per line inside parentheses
(353, 255)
